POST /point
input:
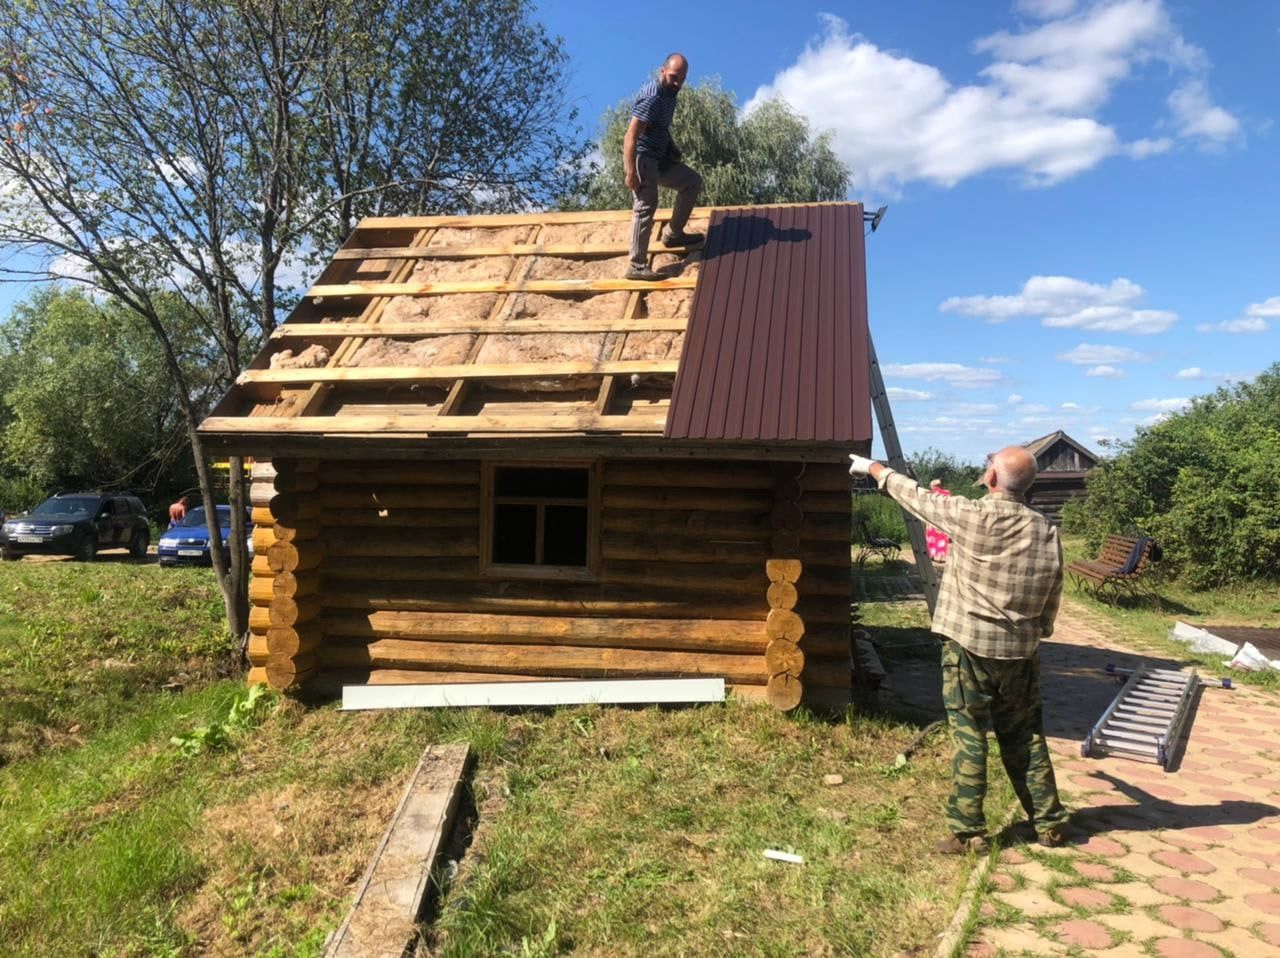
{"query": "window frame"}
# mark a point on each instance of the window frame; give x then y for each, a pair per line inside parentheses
(489, 500)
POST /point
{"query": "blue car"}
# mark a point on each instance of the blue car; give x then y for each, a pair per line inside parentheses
(187, 543)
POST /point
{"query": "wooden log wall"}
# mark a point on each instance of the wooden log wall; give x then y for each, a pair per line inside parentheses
(382, 560)
(285, 598)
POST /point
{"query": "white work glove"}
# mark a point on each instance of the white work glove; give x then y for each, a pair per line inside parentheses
(861, 465)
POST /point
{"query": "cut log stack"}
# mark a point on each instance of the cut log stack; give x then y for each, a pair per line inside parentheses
(284, 594)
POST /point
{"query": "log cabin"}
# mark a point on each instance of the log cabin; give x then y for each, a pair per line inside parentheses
(1062, 466)
(482, 455)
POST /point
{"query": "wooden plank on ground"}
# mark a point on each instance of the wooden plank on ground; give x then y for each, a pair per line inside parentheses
(533, 694)
(390, 899)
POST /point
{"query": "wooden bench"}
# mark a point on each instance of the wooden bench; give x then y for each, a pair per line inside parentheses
(869, 545)
(1105, 577)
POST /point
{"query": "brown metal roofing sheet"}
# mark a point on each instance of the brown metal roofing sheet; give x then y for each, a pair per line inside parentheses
(777, 342)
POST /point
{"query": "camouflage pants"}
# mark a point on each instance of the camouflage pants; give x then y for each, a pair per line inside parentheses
(1004, 695)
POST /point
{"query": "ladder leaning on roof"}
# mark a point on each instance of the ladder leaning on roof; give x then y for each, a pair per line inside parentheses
(893, 450)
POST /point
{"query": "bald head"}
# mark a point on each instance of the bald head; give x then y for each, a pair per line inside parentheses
(674, 70)
(1011, 470)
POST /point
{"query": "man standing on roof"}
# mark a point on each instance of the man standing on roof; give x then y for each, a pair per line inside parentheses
(998, 598)
(650, 158)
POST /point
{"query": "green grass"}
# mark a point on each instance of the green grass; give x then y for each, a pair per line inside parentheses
(598, 831)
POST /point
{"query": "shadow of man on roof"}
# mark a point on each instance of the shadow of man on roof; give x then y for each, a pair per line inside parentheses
(741, 233)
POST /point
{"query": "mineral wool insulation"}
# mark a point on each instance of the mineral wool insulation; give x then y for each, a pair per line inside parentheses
(499, 349)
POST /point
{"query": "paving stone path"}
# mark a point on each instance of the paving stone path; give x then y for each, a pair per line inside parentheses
(1178, 864)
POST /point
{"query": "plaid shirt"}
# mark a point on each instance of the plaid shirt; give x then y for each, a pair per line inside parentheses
(1003, 580)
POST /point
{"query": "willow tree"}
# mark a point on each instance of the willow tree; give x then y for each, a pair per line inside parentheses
(769, 154)
(207, 148)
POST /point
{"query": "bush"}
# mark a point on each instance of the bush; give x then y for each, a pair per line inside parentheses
(1204, 482)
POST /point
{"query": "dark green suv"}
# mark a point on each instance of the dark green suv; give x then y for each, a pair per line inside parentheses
(78, 524)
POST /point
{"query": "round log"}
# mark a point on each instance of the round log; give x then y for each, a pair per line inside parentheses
(287, 640)
(786, 469)
(787, 490)
(783, 570)
(821, 527)
(261, 590)
(784, 692)
(663, 474)
(692, 635)
(786, 517)
(298, 532)
(294, 556)
(261, 492)
(635, 546)
(403, 518)
(782, 656)
(296, 482)
(782, 595)
(291, 584)
(293, 507)
(261, 567)
(257, 676)
(376, 543)
(286, 610)
(263, 537)
(402, 473)
(287, 673)
(789, 544)
(396, 497)
(783, 624)
(263, 469)
(259, 618)
(257, 649)
(262, 515)
(561, 660)
(757, 502)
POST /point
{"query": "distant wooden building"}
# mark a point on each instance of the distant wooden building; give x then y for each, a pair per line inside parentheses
(493, 459)
(1063, 465)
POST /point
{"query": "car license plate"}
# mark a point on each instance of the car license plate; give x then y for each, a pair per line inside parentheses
(28, 538)
(190, 552)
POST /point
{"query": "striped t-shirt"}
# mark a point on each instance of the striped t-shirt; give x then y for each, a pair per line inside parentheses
(656, 106)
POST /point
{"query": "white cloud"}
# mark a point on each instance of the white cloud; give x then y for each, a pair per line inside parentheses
(1191, 372)
(1160, 405)
(973, 408)
(994, 360)
(1015, 399)
(1252, 325)
(1197, 118)
(1033, 110)
(1033, 409)
(1141, 149)
(953, 374)
(1072, 406)
(1088, 354)
(1045, 9)
(907, 395)
(1268, 307)
(1064, 302)
(1107, 372)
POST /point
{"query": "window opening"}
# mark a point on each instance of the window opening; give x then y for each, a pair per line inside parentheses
(541, 516)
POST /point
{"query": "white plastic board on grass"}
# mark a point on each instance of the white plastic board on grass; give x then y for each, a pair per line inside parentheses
(1201, 640)
(532, 694)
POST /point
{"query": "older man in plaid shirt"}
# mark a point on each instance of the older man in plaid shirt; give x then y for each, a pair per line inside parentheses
(998, 598)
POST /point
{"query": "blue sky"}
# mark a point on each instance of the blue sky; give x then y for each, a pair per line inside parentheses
(1083, 226)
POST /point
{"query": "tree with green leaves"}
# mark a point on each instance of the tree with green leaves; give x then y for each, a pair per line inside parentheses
(1202, 482)
(768, 155)
(205, 149)
(86, 398)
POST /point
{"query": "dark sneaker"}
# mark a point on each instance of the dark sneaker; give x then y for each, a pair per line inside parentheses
(681, 239)
(644, 274)
(1055, 836)
(953, 845)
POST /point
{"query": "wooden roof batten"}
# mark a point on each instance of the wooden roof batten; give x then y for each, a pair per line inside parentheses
(553, 356)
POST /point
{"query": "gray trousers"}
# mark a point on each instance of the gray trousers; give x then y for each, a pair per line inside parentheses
(684, 181)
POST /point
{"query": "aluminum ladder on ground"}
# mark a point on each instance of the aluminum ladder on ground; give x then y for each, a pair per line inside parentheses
(893, 451)
(1146, 717)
